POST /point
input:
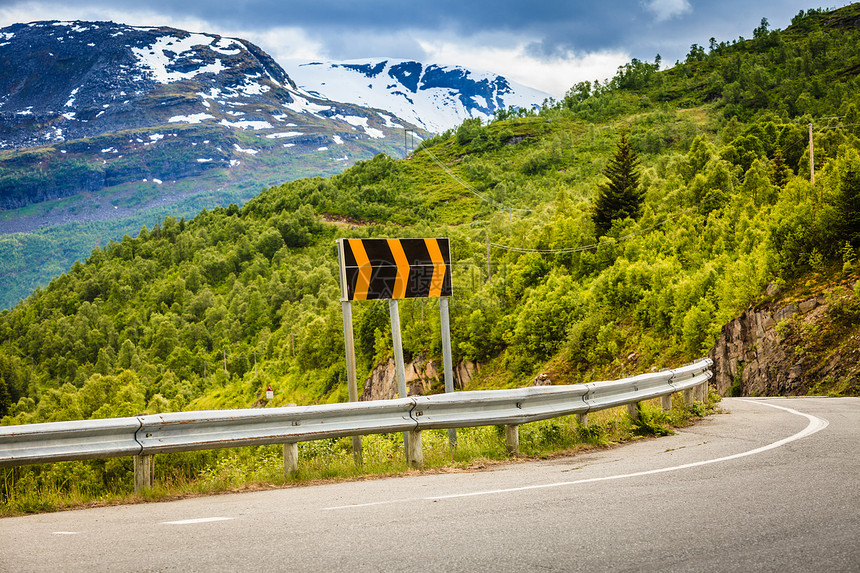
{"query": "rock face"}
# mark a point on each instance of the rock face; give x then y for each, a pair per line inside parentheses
(542, 379)
(790, 349)
(749, 358)
(422, 377)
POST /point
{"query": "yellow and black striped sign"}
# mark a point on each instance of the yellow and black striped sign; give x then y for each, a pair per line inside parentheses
(394, 268)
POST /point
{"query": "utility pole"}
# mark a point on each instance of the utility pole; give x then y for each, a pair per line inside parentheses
(489, 273)
(811, 159)
(407, 147)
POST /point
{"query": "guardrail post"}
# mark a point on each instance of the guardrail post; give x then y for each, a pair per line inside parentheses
(582, 418)
(291, 459)
(512, 440)
(666, 402)
(703, 392)
(633, 410)
(142, 473)
(415, 455)
(688, 396)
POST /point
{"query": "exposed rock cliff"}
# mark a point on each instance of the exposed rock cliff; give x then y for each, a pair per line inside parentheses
(792, 347)
(422, 377)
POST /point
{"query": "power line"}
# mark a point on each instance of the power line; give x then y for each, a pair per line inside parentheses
(475, 192)
(593, 246)
(581, 248)
(840, 126)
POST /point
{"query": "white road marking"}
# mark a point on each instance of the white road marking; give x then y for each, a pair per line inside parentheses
(815, 425)
(65, 533)
(198, 520)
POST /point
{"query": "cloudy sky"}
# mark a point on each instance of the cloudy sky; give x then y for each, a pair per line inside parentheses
(546, 44)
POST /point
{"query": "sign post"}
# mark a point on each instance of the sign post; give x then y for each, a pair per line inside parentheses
(374, 269)
(399, 366)
(445, 327)
(351, 382)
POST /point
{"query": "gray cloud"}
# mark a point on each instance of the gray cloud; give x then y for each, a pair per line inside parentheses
(547, 30)
(553, 26)
(667, 9)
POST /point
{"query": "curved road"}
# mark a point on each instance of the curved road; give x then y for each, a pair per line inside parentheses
(772, 485)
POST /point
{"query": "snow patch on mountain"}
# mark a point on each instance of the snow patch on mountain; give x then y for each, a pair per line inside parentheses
(161, 55)
(431, 96)
(134, 77)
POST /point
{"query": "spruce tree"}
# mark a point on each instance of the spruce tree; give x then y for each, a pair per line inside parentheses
(848, 197)
(622, 196)
(781, 172)
(5, 397)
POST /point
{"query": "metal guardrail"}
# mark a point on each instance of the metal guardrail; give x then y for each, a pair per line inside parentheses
(211, 429)
(63, 441)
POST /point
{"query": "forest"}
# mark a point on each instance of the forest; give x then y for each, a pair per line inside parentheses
(552, 272)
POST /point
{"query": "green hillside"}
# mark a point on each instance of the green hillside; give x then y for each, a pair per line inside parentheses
(207, 312)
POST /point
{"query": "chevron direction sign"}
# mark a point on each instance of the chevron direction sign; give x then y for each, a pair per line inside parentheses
(394, 268)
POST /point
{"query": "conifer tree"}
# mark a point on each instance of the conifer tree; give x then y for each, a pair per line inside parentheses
(622, 196)
(848, 196)
(781, 172)
(5, 397)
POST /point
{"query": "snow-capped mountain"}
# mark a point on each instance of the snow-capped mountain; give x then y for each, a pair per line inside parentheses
(434, 97)
(134, 103)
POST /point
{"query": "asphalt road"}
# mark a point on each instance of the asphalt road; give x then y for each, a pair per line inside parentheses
(773, 485)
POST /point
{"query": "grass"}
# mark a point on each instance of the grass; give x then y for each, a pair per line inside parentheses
(73, 485)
